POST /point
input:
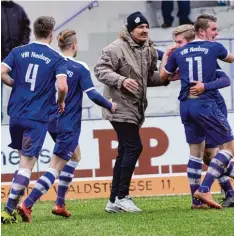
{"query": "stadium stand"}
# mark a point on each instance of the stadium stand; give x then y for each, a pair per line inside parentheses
(97, 26)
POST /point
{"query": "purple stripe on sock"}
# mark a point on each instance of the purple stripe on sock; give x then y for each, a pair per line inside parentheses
(49, 176)
(17, 192)
(21, 180)
(230, 170)
(216, 167)
(33, 197)
(62, 190)
(43, 183)
(194, 165)
(194, 176)
(222, 158)
(68, 169)
(11, 205)
(65, 178)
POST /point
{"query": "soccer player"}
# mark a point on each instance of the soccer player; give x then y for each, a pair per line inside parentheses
(36, 67)
(200, 114)
(64, 160)
(183, 35)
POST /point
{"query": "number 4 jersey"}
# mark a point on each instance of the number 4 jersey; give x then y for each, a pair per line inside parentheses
(35, 67)
(197, 62)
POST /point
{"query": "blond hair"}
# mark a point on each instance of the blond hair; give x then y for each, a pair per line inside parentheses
(66, 38)
(187, 31)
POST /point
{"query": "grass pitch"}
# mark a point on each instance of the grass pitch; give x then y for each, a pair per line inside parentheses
(161, 216)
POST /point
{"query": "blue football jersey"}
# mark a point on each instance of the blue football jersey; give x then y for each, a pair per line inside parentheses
(79, 81)
(196, 62)
(35, 67)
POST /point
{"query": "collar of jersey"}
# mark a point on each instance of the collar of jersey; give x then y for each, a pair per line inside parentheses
(198, 40)
(69, 57)
(37, 42)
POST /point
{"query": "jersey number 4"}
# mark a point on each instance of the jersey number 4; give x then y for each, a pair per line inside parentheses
(191, 60)
(32, 69)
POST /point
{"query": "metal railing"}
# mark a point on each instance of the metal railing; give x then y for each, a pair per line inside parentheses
(89, 6)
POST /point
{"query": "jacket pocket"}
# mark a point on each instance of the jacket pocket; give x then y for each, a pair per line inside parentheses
(128, 98)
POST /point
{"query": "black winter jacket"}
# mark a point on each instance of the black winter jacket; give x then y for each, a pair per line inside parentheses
(15, 27)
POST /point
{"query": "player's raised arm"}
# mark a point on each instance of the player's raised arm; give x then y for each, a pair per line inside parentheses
(88, 87)
(229, 58)
(223, 54)
(154, 75)
(168, 65)
(222, 81)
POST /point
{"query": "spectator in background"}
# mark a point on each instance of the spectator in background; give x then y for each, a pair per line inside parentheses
(183, 13)
(126, 67)
(15, 30)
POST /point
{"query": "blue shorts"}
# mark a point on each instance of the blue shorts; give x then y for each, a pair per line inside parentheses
(52, 126)
(53, 135)
(53, 123)
(210, 143)
(203, 119)
(66, 144)
(27, 136)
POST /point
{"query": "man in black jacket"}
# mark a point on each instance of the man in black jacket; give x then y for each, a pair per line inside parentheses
(15, 29)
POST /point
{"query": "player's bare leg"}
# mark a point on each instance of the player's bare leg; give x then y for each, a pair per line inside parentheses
(194, 171)
(224, 181)
(216, 169)
(65, 180)
(19, 183)
(41, 187)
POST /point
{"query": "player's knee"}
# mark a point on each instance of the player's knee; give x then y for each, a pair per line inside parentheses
(197, 150)
(228, 147)
(76, 155)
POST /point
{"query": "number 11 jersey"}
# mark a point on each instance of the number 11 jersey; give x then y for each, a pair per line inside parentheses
(35, 67)
(197, 62)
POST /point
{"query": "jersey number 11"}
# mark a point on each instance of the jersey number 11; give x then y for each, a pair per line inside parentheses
(191, 60)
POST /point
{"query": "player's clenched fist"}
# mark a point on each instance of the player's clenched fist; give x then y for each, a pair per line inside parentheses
(131, 85)
(61, 107)
(113, 105)
(170, 49)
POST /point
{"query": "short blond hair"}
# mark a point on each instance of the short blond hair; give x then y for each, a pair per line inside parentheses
(187, 31)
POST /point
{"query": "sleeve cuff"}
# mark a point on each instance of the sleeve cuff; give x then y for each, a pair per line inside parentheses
(3, 63)
(61, 75)
(120, 81)
(89, 89)
(168, 72)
